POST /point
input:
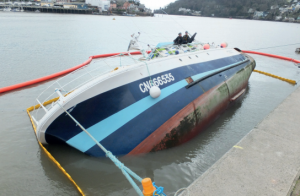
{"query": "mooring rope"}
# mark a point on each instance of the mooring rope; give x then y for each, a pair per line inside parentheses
(126, 171)
(278, 77)
(53, 159)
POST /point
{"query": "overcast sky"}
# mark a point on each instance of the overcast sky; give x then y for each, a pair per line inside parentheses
(156, 4)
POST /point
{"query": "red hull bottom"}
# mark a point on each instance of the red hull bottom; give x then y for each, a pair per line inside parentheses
(197, 115)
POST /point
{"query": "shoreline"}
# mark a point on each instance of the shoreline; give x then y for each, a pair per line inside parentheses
(230, 18)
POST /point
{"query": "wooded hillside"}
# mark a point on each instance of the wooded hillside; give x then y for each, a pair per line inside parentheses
(222, 8)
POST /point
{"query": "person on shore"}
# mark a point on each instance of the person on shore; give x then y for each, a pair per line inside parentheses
(178, 40)
(186, 38)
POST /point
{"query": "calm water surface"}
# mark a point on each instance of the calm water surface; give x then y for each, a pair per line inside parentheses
(35, 45)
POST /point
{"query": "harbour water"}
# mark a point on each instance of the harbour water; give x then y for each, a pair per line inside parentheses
(34, 45)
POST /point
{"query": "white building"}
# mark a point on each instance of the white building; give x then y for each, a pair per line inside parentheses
(258, 14)
(250, 11)
(103, 4)
(282, 9)
(291, 19)
(274, 7)
(182, 9)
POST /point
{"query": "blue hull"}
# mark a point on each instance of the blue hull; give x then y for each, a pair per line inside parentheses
(124, 117)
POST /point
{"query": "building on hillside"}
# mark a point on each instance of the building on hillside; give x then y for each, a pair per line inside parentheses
(258, 14)
(82, 6)
(147, 10)
(291, 19)
(62, 1)
(70, 6)
(141, 7)
(75, 5)
(278, 18)
(103, 4)
(274, 7)
(126, 5)
(298, 17)
(283, 9)
(46, 4)
(113, 5)
(182, 9)
(46, 1)
(250, 11)
(132, 7)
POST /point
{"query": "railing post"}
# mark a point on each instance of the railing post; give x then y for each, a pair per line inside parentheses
(42, 105)
(59, 94)
(35, 121)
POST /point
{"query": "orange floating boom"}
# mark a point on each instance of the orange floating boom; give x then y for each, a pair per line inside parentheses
(272, 55)
(35, 81)
(45, 78)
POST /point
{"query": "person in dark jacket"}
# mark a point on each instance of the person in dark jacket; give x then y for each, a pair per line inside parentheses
(178, 40)
(186, 38)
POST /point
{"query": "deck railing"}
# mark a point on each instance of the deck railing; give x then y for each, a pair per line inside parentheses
(70, 82)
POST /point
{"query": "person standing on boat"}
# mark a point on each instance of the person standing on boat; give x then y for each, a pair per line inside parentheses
(186, 38)
(178, 40)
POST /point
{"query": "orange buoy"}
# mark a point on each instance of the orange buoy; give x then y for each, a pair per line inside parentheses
(206, 46)
(148, 187)
(224, 45)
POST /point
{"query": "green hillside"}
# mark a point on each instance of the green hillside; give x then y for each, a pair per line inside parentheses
(226, 8)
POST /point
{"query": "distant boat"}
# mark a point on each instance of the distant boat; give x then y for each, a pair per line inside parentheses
(37, 11)
(18, 9)
(7, 9)
(195, 14)
(297, 49)
(15, 10)
(132, 15)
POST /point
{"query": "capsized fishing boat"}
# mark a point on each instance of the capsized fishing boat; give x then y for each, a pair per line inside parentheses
(140, 104)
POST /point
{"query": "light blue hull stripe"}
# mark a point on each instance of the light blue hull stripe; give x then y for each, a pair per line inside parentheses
(107, 126)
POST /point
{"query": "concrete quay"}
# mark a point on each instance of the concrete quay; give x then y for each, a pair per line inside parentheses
(265, 162)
